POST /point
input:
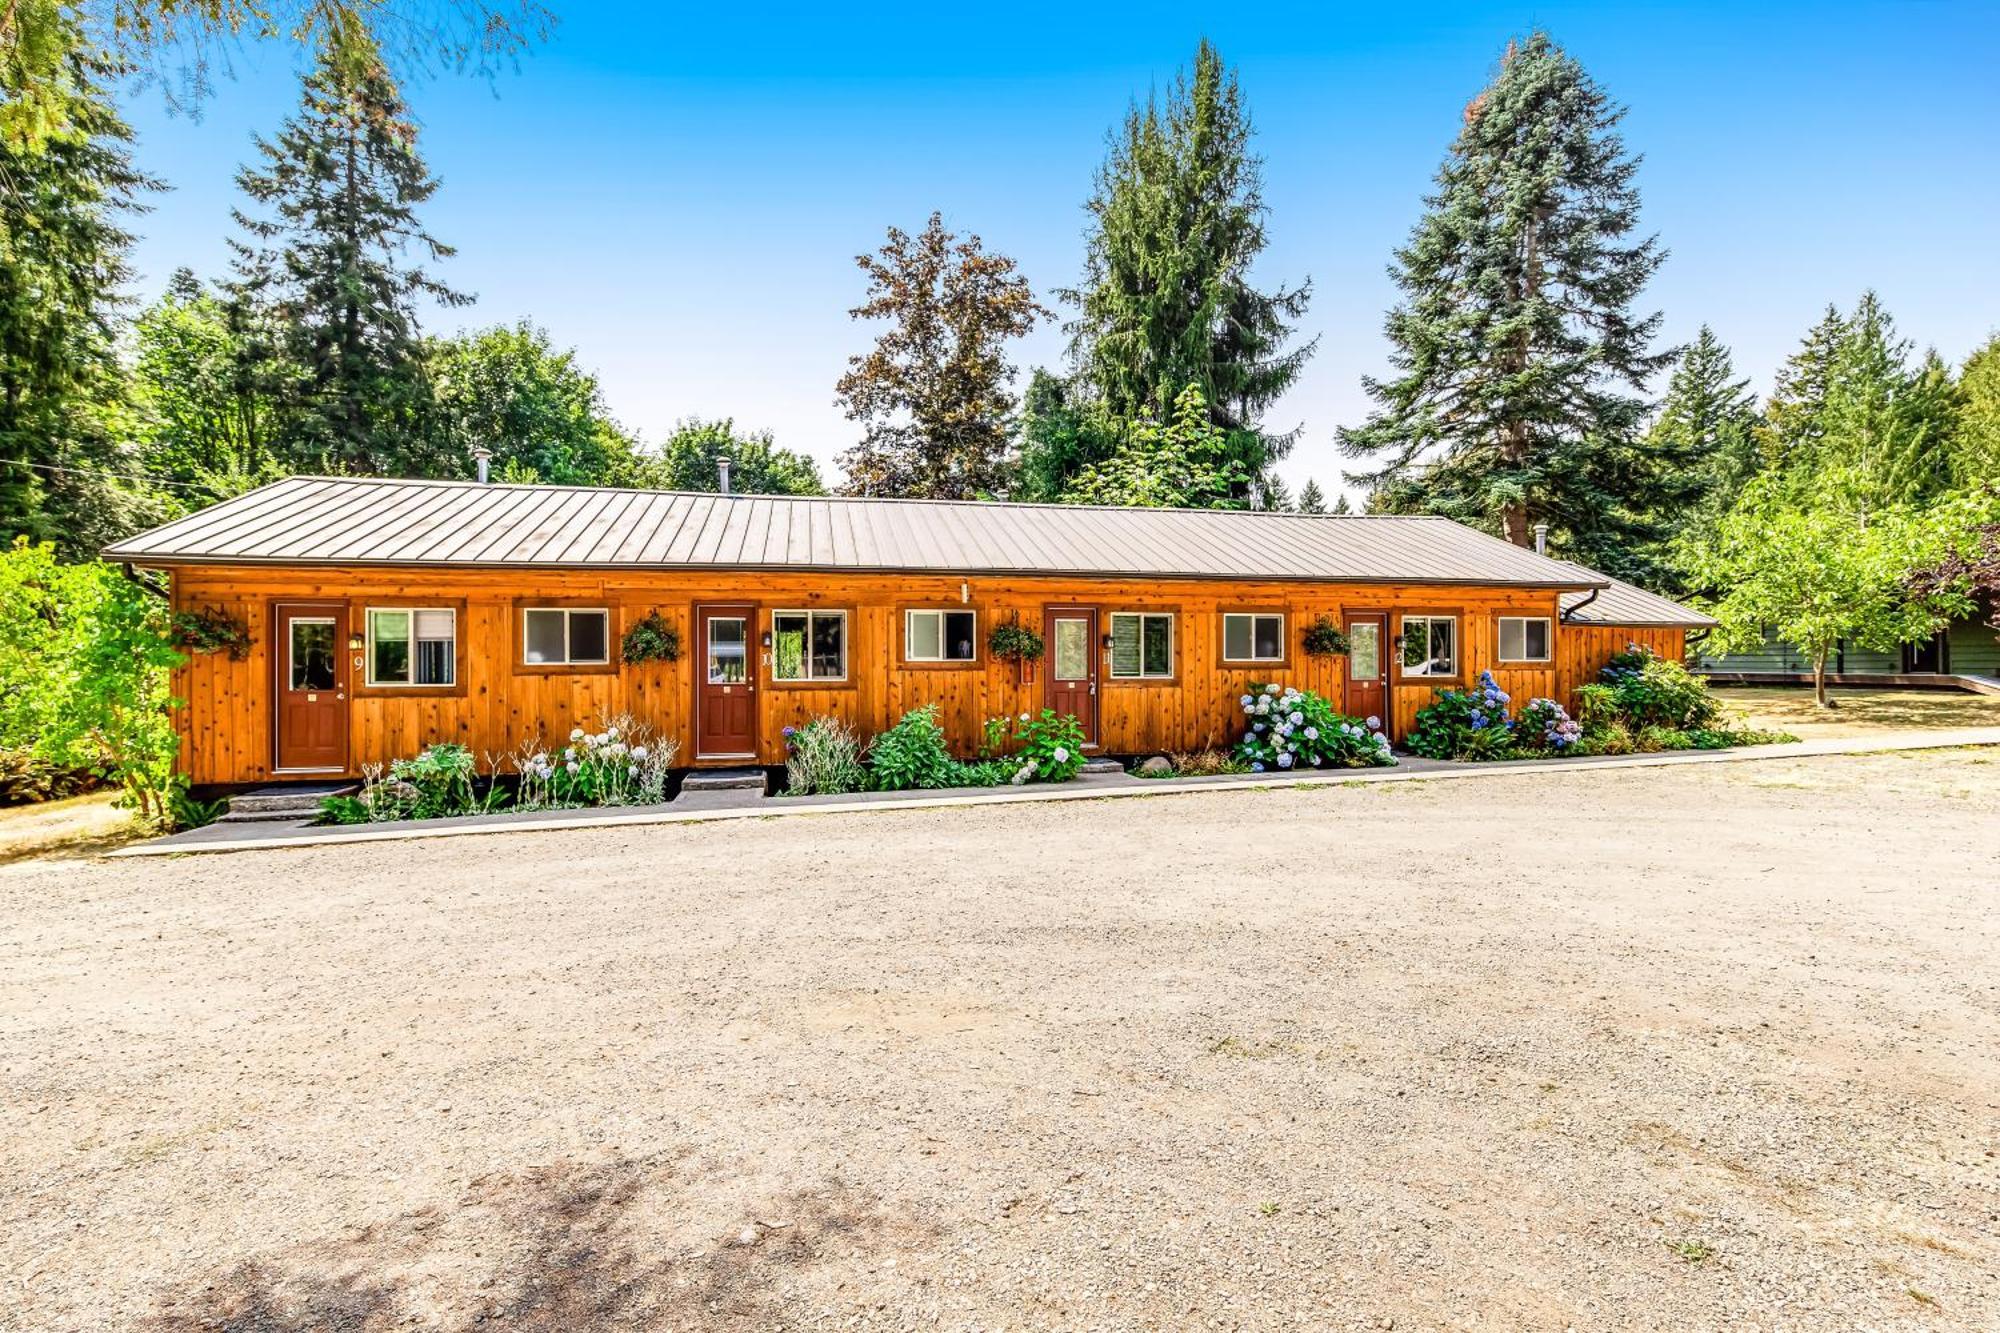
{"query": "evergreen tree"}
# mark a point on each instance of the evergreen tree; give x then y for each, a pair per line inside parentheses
(1341, 505)
(1976, 445)
(1795, 418)
(1166, 300)
(1062, 433)
(1276, 496)
(1704, 441)
(1183, 462)
(1520, 359)
(203, 423)
(64, 414)
(1312, 500)
(328, 282)
(757, 466)
(541, 414)
(934, 392)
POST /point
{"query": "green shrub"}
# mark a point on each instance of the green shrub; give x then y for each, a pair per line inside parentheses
(1655, 738)
(1464, 724)
(1291, 728)
(823, 758)
(912, 755)
(1649, 690)
(27, 778)
(1034, 748)
(439, 783)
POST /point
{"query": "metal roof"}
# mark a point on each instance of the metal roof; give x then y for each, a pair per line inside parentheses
(369, 521)
(1626, 604)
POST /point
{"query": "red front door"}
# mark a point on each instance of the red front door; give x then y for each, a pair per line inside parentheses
(1071, 648)
(309, 681)
(1367, 696)
(725, 683)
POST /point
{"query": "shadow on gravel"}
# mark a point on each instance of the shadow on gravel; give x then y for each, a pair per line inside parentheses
(551, 1249)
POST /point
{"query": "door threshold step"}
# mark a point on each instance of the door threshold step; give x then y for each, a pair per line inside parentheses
(1103, 766)
(725, 779)
(294, 800)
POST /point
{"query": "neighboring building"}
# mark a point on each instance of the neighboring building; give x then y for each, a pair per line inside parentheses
(1966, 654)
(408, 612)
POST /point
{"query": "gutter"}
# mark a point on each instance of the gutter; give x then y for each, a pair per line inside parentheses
(1571, 612)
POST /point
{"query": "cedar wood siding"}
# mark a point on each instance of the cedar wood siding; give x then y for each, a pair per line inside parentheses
(496, 705)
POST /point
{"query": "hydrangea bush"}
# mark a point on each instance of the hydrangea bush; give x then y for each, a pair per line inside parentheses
(1290, 728)
(1477, 724)
(1546, 725)
(1034, 748)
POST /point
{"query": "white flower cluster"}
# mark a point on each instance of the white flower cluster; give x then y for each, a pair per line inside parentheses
(1289, 726)
(615, 766)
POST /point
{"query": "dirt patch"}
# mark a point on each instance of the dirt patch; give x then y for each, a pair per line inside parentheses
(1858, 712)
(1693, 1047)
(79, 826)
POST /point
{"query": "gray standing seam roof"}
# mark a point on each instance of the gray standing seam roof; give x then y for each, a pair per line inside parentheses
(371, 521)
(1625, 604)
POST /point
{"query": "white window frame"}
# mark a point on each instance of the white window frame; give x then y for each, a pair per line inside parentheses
(1253, 617)
(1173, 645)
(1408, 672)
(567, 613)
(368, 615)
(941, 612)
(292, 650)
(805, 659)
(1548, 639)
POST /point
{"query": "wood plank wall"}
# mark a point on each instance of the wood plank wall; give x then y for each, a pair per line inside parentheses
(226, 724)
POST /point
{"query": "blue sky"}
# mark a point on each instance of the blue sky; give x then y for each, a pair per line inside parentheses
(680, 195)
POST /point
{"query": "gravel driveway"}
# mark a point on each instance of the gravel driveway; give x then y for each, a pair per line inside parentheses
(1683, 1048)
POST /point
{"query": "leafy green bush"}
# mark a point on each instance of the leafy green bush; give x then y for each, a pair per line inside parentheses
(85, 658)
(1649, 690)
(823, 758)
(1034, 748)
(912, 755)
(439, 783)
(26, 778)
(1290, 728)
(1464, 724)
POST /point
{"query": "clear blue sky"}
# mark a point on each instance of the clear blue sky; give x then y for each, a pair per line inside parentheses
(679, 191)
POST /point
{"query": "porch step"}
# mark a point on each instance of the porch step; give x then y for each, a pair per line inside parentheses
(291, 802)
(1103, 766)
(725, 779)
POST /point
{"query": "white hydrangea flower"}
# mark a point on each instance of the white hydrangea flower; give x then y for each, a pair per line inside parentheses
(1061, 754)
(576, 733)
(1312, 733)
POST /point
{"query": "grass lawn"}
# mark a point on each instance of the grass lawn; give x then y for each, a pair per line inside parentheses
(81, 825)
(1859, 712)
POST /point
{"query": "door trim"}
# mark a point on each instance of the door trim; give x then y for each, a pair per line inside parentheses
(752, 670)
(280, 653)
(1384, 648)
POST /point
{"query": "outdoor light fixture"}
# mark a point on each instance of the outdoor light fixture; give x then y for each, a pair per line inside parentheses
(767, 639)
(356, 641)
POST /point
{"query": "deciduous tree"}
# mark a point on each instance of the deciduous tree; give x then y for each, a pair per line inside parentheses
(934, 391)
(541, 414)
(1182, 463)
(757, 466)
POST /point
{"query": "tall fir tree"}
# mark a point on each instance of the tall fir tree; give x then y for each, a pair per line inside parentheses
(1521, 362)
(1705, 437)
(64, 414)
(1275, 496)
(1312, 500)
(1795, 418)
(934, 393)
(1342, 505)
(1976, 444)
(328, 283)
(1166, 299)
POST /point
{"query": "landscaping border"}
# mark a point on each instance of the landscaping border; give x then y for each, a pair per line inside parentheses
(238, 838)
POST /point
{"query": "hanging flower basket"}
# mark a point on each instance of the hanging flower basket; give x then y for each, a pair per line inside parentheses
(651, 640)
(1324, 638)
(212, 629)
(1016, 643)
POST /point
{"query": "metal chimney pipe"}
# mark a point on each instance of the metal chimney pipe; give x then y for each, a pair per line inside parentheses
(722, 474)
(1541, 539)
(481, 456)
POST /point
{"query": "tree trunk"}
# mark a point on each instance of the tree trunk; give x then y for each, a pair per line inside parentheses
(1819, 678)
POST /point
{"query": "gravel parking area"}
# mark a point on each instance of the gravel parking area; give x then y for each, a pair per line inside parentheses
(1679, 1048)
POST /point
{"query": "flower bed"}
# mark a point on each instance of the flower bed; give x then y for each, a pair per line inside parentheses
(1292, 728)
(1642, 703)
(825, 758)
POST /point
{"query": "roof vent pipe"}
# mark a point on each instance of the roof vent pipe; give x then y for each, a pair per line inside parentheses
(722, 474)
(481, 456)
(1541, 539)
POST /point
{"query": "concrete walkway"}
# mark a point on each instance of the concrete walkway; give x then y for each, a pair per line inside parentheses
(242, 837)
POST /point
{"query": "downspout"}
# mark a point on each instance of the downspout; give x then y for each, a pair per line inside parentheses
(151, 587)
(1594, 593)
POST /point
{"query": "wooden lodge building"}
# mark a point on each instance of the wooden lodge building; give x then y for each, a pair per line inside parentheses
(385, 615)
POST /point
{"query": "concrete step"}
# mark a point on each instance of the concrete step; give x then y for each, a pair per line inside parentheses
(1096, 766)
(270, 817)
(725, 779)
(292, 801)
